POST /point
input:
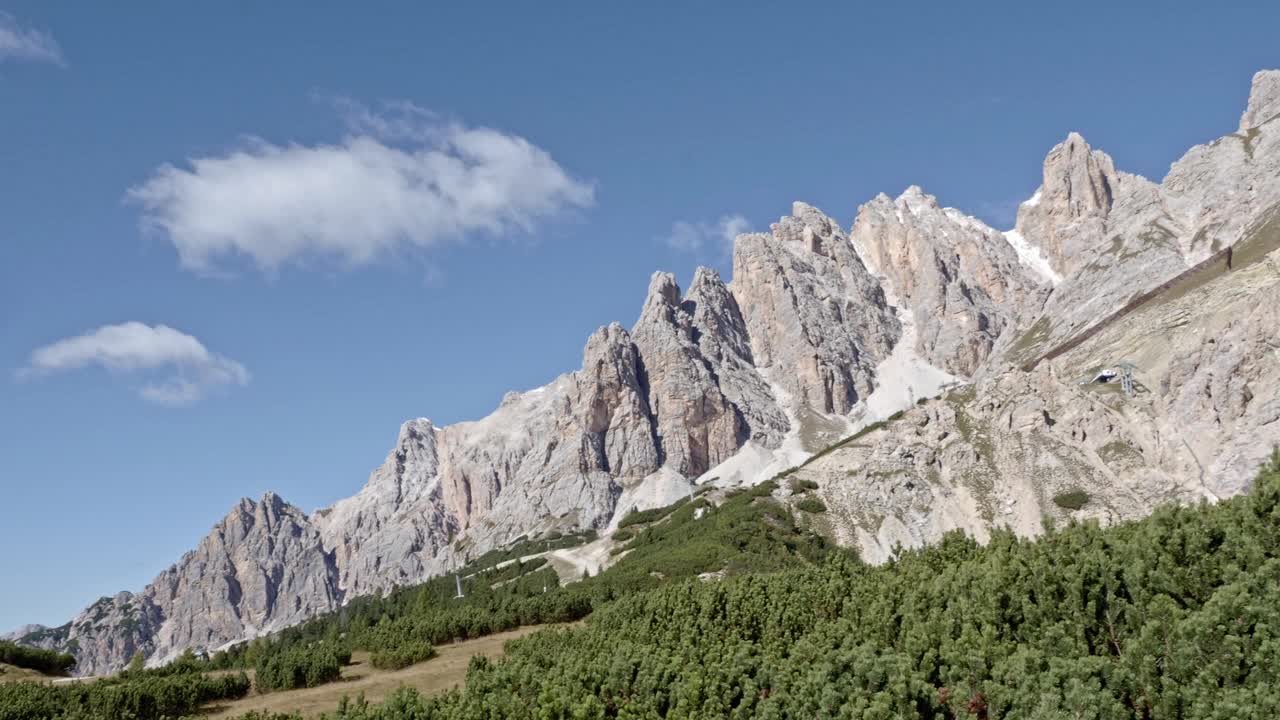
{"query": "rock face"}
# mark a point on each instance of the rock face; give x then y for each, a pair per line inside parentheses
(822, 331)
(261, 568)
(697, 427)
(961, 280)
(719, 331)
(1154, 289)
(1008, 449)
(1148, 233)
(1066, 214)
(994, 453)
(1264, 100)
(817, 318)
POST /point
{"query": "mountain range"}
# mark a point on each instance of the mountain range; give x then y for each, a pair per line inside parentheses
(1117, 349)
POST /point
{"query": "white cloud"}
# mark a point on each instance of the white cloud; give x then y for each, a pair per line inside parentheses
(21, 43)
(400, 179)
(181, 369)
(694, 237)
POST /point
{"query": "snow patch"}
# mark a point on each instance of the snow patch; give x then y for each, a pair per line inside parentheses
(904, 376)
(572, 563)
(754, 463)
(1031, 256)
(1034, 200)
(656, 490)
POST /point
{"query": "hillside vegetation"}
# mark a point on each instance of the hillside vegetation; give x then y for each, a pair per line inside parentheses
(173, 691)
(1174, 616)
(746, 532)
(46, 662)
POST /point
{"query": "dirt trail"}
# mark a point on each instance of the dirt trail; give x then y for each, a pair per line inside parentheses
(448, 669)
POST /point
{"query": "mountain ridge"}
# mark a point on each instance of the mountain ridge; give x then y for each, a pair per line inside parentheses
(821, 332)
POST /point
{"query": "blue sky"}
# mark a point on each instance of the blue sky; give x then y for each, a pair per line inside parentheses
(280, 229)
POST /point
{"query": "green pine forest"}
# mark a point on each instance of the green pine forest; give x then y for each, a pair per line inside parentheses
(1174, 616)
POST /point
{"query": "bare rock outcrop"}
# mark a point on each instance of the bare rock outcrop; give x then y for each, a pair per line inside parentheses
(697, 427)
(961, 280)
(995, 454)
(725, 346)
(677, 394)
(373, 547)
(261, 568)
(1149, 233)
(817, 318)
(1065, 217)
(23, 631)
(1264, 100)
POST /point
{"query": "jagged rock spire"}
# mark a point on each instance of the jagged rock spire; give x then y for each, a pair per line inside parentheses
(1066, 216)
(1264, 100)
(960, 279)
(696, 425)
(817, 318)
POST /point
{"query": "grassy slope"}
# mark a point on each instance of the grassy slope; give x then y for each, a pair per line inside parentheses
(13, 673)
(740, 532)
(1171, 616)
(448, 669)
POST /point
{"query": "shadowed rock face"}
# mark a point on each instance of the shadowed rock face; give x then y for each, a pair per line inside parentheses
(726, 381)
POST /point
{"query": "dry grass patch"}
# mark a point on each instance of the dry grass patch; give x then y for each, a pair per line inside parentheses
(13, 673)
(448, 669)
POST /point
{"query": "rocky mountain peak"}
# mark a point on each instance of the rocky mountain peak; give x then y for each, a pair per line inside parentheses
(663, 289)
(23, 631)
(716, 314)
(813, 310)
(705, 277)
(1065, 215)
(608, 341)
(416, 430)
(416, 451)
(916, 200)
(269, 511)
(961, 281)
(697, 426)
(809, 227)
(1264, 100)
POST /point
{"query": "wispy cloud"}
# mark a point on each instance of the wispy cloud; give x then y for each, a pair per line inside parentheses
(401, 178)
(695, 237)
(181, 370)
(19, 43)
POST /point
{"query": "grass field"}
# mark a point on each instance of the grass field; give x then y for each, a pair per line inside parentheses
(446, 670)
(12, 673)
